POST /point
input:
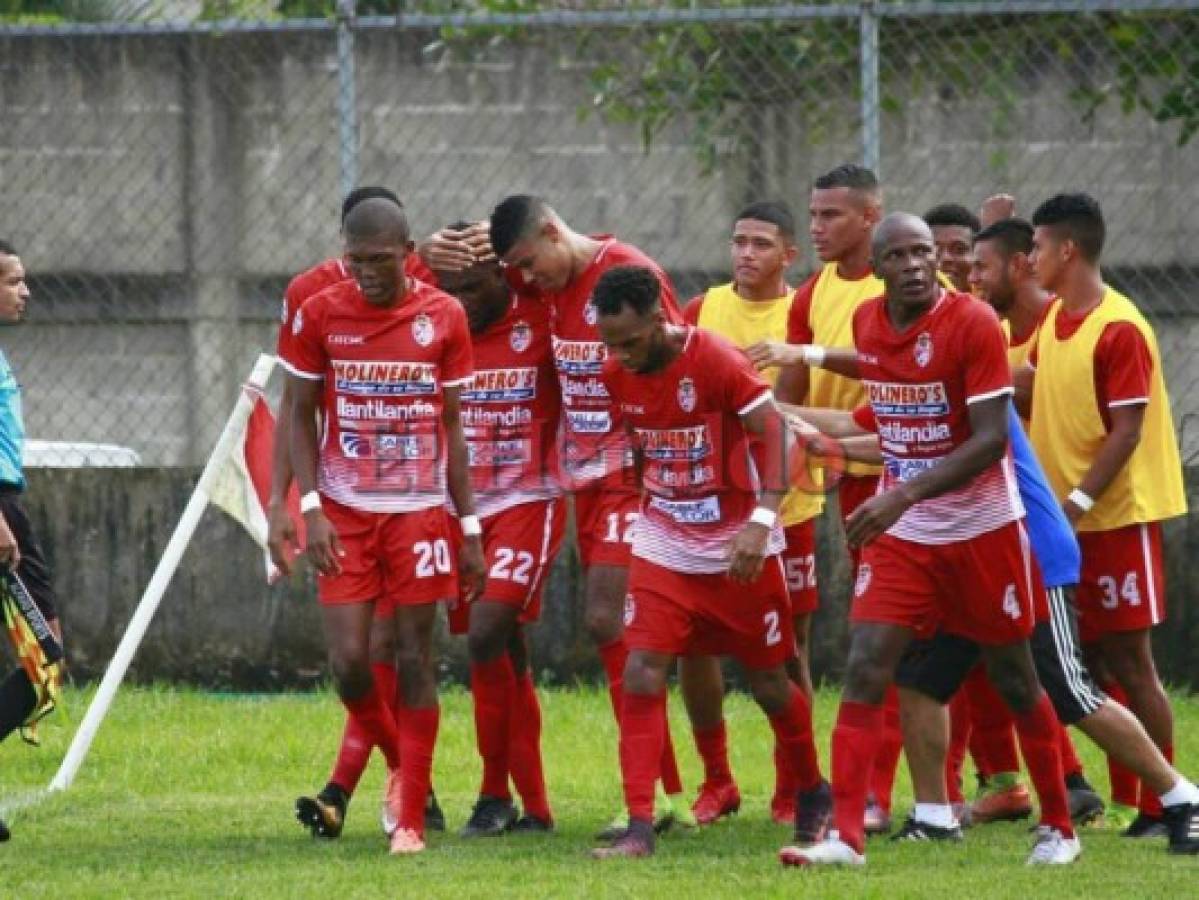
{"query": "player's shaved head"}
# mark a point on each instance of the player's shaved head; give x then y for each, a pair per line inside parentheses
(894, 226)
(517, 218)
(366, 192)
(377, 218)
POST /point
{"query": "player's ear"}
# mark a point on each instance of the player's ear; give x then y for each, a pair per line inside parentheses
(550, 230)
(790, 254)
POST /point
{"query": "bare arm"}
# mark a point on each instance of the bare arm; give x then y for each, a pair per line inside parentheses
(1112, 456)
(862, 448)
(792, 383)
(281, 530)
(836, 423)
(985, 446)
(470, 561)
(1023, 379)
(765, 354)
(748, 549)
(324, 547)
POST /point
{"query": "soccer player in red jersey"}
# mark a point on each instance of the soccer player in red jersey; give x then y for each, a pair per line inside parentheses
(510, 413)
(324, 813)
(562, 266)
(942, 542)
(705, 576)
(383, 358)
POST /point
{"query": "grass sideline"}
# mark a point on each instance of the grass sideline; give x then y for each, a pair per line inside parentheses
(188, 794)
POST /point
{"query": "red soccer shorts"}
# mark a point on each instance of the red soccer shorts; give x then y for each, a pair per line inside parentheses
(981, 588)
(709, 615)
(519, 547)
(799, 566)
(1121, 587)
(395, 559)
(604, 520)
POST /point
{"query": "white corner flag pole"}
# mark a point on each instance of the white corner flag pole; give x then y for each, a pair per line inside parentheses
(171, 556)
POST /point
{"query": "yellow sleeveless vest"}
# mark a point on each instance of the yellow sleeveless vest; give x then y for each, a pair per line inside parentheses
(834, 301)
(745, 322)
(1067, 430)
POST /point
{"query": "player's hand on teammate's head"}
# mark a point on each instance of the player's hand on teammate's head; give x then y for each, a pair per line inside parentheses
(472, 569)
(281, 539)
(324, 546)
(765, 354)
(995, 208)
(453, 250)
(747, 553)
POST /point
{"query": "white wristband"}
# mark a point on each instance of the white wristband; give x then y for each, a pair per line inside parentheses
(310, 501)
(812, 355)
(1081, 500)
(470, 526)
(763, 516)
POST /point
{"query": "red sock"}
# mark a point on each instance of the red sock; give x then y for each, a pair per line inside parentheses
(352, 756)
(856, 737)
(713, 746)
(375, 720)
(991, 725)
(959, 738)
(1037, 729)
(1125, 784)
(1151, 804)
(882, 777)
(418, 736)
(641, 737)
(672, 781)
(524, 749)
(493, 685)
(1071, 764)
(793, 733)
(613, 655)
(785, 781)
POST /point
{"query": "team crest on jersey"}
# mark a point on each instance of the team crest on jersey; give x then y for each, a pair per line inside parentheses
(520, 337)
(298, 322)
(422, 330)
(589, 312)
(686, 394)
(863, 579)
(283, 311)
(630, 610)
(924, 349)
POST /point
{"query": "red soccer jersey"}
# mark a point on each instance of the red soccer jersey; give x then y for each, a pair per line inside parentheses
(382, 446)
(312, 281)
(699, 478)
(510, 411)
(920, 383)
(593, 440)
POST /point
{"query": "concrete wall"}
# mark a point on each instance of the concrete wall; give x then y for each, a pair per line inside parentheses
(220, 625)
(163, 189)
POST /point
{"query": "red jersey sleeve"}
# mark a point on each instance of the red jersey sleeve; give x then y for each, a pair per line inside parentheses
(1123, 366)
(743, 388)
(863, 417)
(457, 361)
(799, 319)
(983, 351)
(414, 267)
(308, 358)
(691, 310)
(668, 299)
(291, 303)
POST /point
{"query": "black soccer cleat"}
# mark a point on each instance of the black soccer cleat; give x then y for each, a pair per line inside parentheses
(915, 830)
(1146, 826)
(637, 842)
(1085, 805)
(1182, 819)
(528, 824)
(813, 813)
(434, 817)
(491, 817)
(325, 814)
(5, 834)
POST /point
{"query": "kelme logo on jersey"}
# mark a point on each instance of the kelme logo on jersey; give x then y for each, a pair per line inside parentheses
(298, 322)
(368, 378)
(501, 386)
(520, 338)
(422, 330)
(924, 349)
(686, 394)
(863, 580)
(590, 316)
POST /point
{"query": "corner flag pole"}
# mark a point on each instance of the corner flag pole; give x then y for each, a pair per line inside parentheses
(171, 556)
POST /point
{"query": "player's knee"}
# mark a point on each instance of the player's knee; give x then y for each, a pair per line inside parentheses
(643, 675)
(866, 677)
(486, 642)
(1018, 688)
(603, 625)
(771, 690)
(352, 677)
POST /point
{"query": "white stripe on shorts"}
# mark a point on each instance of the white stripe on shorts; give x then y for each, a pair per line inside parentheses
(546, 533)
(1068, 652)
(1155, 613)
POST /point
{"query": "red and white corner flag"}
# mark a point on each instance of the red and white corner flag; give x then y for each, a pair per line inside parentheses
(243, 485)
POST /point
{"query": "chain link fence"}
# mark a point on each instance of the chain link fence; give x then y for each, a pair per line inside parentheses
(164, 179)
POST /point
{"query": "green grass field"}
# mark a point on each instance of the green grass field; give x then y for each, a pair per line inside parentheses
(190, 794)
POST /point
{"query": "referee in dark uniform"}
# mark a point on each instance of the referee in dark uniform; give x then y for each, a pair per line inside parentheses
(19, 548)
